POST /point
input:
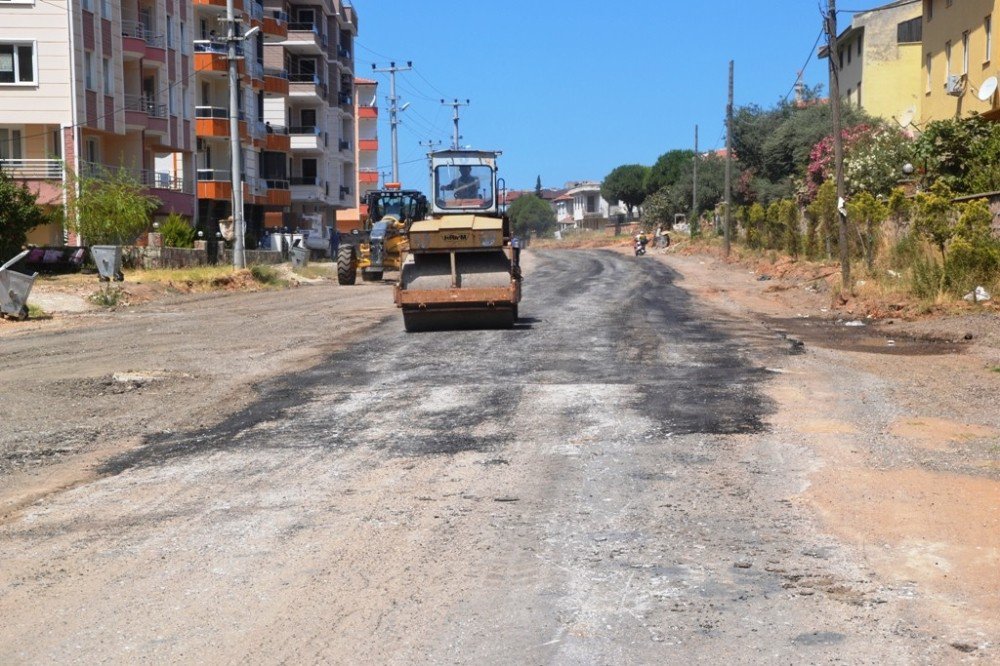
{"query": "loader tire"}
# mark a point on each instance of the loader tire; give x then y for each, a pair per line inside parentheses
(347, 265)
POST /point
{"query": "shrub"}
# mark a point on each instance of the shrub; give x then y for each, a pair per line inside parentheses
(111, 208)
(177, 232)
(265, 274)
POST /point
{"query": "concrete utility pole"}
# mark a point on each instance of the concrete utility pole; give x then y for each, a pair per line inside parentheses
(838, 142)
(393, 110)
(235, 168)
(727, 232)
(455, 105)
(694, 188)
(429, 145)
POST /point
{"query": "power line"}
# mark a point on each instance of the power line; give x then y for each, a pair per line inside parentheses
(809, 58)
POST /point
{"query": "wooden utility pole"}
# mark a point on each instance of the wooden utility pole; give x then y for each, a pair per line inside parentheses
(694, 187)
(727, 233)
(838, 142)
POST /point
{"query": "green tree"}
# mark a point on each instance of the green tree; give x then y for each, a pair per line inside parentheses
(867, 214)
(538, 186)
(658, 209)
(823, 210)
(110, 208)
(788, 215)
(773, 226)
(755, 225)
(19, 214)
(668, 170)
(529, 214)
(626, 183)
(177, 232)
(711, 185)
(954, 150)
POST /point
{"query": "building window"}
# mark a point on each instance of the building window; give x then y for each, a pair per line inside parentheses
(108, 81)
(947, 61)
(965, 53)
(10, 144)
(106, 9)
(929, 11)
(88, 70)
(170, 31)
(17, 63)
(861, 41)
(859, 94)
(988, 28)
(591, 203)
(93, 151)
(184, 44)
(910, 32)
(57, 144)
(88, 5)
(170, 101)
(840, 58)
(848, 54)
(927, 66)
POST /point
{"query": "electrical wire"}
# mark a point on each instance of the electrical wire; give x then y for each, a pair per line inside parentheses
(809, 58)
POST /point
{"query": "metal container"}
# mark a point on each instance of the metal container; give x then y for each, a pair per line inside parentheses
(108, 259)
(299, 256)
(14, 289)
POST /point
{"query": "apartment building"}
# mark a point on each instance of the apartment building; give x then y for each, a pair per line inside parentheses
(366, 153)
(878, 61)
(317, 58)
(958, 65)
(264, 147)
(96, 85)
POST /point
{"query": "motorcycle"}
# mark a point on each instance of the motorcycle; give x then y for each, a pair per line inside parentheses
(640, 247)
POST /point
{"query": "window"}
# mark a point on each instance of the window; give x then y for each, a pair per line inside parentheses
(106, 9)
(591, 203)
(184, 44)
(927, 66)
(910, 32)
(88, 70)
(840, 57)
(929, 11)
(988, 29)
(17, 63)
(861, 41)
(88, 5)
(10, 144)
(170, 31)
(170, 101)
(93, 151)
(848, 54)
(56, 144)
(859, 94)
(965, 52)
(108, 81)
(947, 61)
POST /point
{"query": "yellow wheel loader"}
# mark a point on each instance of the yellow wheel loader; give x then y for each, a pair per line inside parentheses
(462, 270)
(382, 244)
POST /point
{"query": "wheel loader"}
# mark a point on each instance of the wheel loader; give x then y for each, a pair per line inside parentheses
(461, 270)
(382, 243)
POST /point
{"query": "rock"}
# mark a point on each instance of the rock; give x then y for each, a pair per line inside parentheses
(962, 646)
(968, 336)
(979, 295)
(743, 563)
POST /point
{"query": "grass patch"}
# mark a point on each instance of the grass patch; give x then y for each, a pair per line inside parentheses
(196, 276)
(996, 368)
(316, 272)
(108, 297)
(35, 312)
(267, 275)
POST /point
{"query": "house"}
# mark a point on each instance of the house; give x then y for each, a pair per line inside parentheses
(581, 206)
(959, 73)
(878, 61)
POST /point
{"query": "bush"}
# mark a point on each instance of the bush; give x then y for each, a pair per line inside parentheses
(265, 274)
(177, 232)
(111, 208)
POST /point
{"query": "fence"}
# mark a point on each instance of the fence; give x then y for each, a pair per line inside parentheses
(208, 254)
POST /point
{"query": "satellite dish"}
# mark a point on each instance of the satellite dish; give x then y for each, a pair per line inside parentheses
(987, 90)
(906, 118)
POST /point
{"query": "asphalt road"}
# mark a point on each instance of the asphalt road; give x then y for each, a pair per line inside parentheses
(597, 485)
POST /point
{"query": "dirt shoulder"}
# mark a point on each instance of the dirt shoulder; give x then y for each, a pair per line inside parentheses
(901, 417)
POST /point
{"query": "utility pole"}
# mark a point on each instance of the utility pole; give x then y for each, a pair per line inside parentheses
(694, 188)
(455, 105)
(838, 143)
(393, 110)
(235, 168)
(727, 233)
(429, 145)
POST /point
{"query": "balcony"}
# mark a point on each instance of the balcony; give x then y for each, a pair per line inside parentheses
(344, 56)
(346, 102)
(215, 184)
(218, 5)
(307, 139)
(276, 139)
(367, 145)
(275, 83)
(32, 169)
(308, 188)
(369, 112)
(305, 38)
(344, 192)
(368, 176)
(139, 41)
(213, 122)
(175, 194)
(275, 26)
(211, 56)
(278, 193)
(306, 87)
(144, 113)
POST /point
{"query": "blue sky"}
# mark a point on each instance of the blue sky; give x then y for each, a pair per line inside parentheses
(570, 89)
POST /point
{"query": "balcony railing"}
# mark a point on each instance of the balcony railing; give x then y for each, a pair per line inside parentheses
(164, 180)
(215, 174)
(213, 112)
(141, 31)
(145, 105)
(32, 169)
(313, 181)
(343, 53)
(270, 128)
(256, 11)
(300, 26)
(344, 144)
(279, 73)
(217, 46)
(344, 99)
(305, 130)
(277, 184)
(279, 15)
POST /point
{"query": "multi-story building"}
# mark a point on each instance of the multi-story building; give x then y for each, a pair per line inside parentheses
(317, 57)
(365, 151)
(958, 65)
(98, 84)
(264, 147)
(878, 61)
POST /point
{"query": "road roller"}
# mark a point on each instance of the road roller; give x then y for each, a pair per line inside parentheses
(462, 270)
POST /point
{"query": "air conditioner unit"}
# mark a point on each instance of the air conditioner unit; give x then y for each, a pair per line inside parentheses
(955, 85)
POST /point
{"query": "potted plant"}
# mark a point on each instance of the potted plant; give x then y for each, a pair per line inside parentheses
(109, 209)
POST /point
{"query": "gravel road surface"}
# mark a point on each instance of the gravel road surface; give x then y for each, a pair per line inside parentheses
(599, 485)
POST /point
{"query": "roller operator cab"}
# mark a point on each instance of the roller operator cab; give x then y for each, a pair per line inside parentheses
(461, 270)
(381, 245)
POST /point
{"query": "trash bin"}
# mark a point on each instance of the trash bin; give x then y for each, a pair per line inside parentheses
(14, 289)
(109, 261)
(299, 256)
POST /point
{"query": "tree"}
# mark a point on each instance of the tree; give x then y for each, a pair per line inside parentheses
(111, 208)
(19, 214)
(538, 187)
(658, 210)
(867, 214)
(963, 153)
(667, 170)
(627, 184)
(177, 232)
(531, 215)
